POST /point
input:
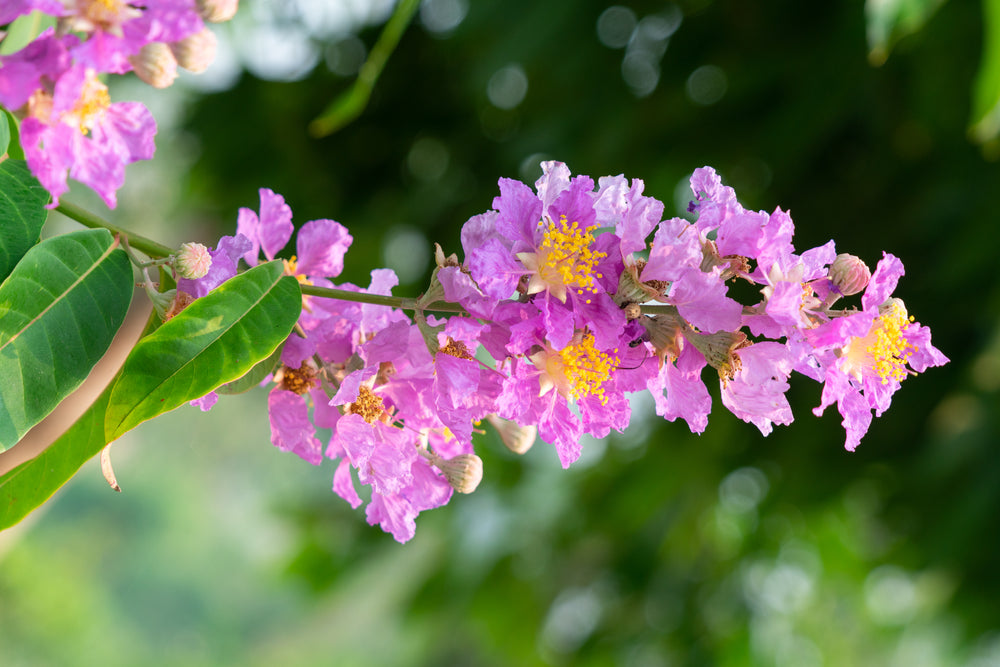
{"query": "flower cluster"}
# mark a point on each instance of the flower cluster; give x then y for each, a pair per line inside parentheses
(69, 125)
(567, 307)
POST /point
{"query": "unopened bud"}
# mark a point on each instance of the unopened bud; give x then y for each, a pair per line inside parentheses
(464, 472)
(192, 261)
(515, 437)
(195, 52)
(849, 274)
(217, 11)
(155, 64)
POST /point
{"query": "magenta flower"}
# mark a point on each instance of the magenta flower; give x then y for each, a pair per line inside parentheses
(77, 129)
(11, 9)
(544, 245)
(865, 356)
(117, 30)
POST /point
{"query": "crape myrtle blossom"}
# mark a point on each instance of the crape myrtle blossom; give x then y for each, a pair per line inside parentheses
(865, 356)
(574, 297)
(113, 30)
(70, 125)
(54, 84)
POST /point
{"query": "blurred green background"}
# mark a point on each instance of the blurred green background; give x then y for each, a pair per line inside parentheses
(659, 547)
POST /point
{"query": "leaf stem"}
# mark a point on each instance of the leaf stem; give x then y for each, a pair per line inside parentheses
(88, 219)
(405, 303)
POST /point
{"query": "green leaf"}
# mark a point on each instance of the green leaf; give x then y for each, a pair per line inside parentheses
(22, 212)
(254, 377)
(32, 483)
(4, 132)
(985, 123)
(14, 150)
(888, 21)
(215, 340)
(59, 310)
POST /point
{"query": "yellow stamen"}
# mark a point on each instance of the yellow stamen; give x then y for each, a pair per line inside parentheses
(90, 106)
(564, 260)
(884, 349)
(576, 371)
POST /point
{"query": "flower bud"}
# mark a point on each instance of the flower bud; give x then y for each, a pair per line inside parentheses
(849, 274)
(217, 11)
(195, 52)
(155, 64)
(464, 472)
(192, 261)
(515, 437)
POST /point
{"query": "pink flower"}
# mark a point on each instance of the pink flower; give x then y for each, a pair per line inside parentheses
(865, 356)
(77, 129)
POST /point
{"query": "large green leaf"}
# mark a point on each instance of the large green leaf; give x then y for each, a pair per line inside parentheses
(215, 340)
(22, 211)
(30, 484)
(254, 376)
(59, 310)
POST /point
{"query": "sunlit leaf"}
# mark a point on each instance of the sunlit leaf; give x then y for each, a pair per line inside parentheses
(59, 310)
(254, 377)
(985, 122)
(22, 211)
(888, 21)
(215, 340)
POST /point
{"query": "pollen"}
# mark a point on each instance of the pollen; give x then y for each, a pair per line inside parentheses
(456, 348)
(578, 370)
(887, 343)
(298, 380)
(93, 100)
(564, 260)
(369, 406)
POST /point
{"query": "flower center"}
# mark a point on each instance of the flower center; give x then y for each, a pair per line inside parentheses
(108, 15)
(369, 406)
(576, 371)
(884, 349)
(564, 260)
(298, 380)
(90, 106)
(456, 348)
